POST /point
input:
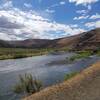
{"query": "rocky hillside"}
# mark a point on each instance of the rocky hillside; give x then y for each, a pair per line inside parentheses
(84, 86)
(86, 40)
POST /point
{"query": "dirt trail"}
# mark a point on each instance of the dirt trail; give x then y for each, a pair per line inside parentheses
(84, 86)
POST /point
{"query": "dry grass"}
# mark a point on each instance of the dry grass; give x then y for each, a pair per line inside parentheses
(84, 86)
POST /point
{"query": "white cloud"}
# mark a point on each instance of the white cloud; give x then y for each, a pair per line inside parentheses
(95, 24)
(89, 7)
(86, 3)
(34, 26)
(27, 5)
(8, 4)
(17, 24)
(74, 25)
(57, 4)
(84, 16)
(81, 17)
(82, 12)
(62, 2)
(96, 16)
(54, 5)
(50, 11)
(4, 36)
(83, 2)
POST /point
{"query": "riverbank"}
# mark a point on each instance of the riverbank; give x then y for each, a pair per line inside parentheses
(84, 86)
(16, 53)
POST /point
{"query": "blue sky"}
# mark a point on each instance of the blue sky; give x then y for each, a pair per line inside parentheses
(50, 19)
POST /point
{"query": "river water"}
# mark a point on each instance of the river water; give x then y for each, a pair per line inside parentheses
(50, 69)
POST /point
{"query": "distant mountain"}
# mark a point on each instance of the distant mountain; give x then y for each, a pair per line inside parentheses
(31, 43)
(86, 40)
(4, 44)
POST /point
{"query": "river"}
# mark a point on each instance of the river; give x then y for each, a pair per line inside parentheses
(50, 69)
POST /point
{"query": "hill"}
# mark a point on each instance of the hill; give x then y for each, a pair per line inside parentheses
(84, 86)
(31, 43)
(89, 40)
(86, 40)
(4, 44)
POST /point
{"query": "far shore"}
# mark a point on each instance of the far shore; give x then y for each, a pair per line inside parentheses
(18, 53)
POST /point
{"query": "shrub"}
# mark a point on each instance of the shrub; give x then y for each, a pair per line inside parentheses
(70, 75)
(82, 54)
(19, 56)
(27, 85)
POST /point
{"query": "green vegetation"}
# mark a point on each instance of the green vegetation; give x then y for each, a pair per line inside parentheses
(14, 53)
(27, 85)
(68, 76)
(81, 54)
(98, 53)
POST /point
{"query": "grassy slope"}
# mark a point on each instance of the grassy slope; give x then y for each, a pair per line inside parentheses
(84, 86)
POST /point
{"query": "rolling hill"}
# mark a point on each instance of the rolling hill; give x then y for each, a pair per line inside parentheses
(86, 40)
(31, 43)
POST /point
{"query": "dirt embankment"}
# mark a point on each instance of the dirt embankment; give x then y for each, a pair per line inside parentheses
(84, 86)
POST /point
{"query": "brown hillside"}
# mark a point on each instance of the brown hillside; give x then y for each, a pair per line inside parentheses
(89, 40)
(31, 43)
(86, 40)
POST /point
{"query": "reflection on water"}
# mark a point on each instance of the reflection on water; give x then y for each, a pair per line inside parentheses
(41, 67)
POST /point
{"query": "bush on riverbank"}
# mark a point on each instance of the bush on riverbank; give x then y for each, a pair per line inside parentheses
(70, 75)
(27, 85)
(98, 53)
(81, 54)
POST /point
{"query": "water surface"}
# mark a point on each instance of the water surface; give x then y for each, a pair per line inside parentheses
(50, 69)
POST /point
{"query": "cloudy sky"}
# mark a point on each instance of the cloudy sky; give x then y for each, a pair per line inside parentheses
(49, 19)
